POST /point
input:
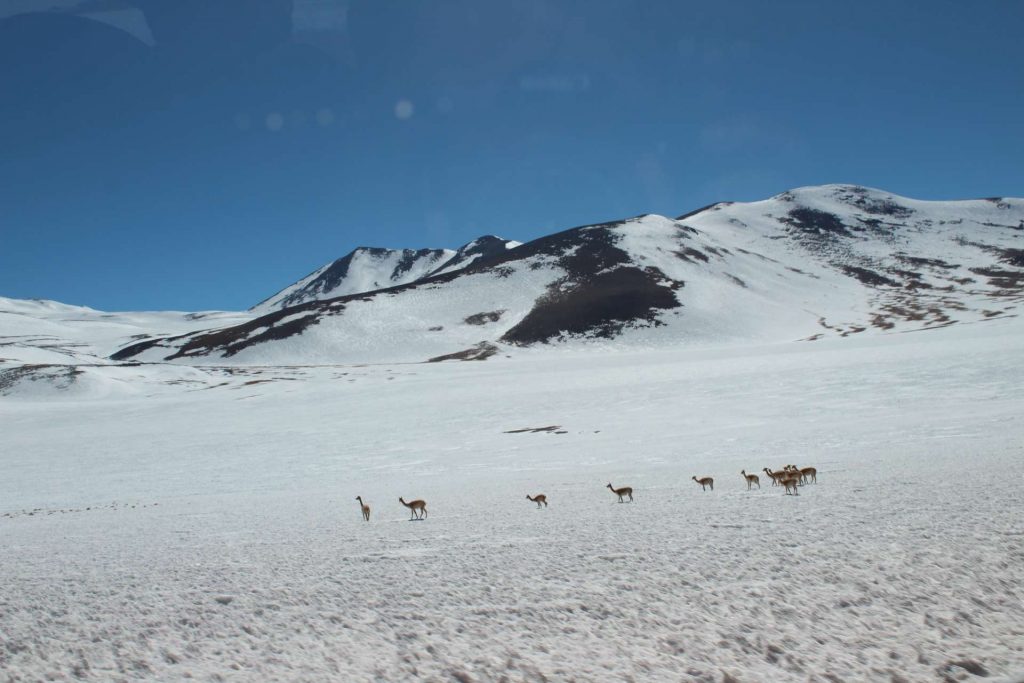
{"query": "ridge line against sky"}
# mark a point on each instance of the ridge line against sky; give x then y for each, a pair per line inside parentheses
(205, 156)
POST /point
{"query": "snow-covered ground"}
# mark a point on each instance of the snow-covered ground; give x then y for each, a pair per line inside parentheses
(42, 331)
(209, 530)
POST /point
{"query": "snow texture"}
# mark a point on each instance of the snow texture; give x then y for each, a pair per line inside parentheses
(206, 525)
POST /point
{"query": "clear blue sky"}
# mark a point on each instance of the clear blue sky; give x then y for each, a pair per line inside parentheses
(198, 154)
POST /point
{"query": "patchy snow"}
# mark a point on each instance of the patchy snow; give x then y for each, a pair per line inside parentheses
(835, 260)
(206, 525)
(480, 248)
(363, 270)
(368, 269)
(372, 330)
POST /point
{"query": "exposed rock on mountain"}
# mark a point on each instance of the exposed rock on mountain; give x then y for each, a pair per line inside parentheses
(808, 263)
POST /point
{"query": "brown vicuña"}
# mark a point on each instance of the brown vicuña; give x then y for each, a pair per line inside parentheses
(415, 506)
(751, 479)
(538, 499)
(705, 482)
(624, 491)
(364, 507)
(791, 482)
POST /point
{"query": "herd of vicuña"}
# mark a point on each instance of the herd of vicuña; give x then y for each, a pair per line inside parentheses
(790, 477)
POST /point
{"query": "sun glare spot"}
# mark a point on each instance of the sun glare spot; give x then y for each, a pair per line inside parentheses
(275, 121)
(324, 117)
(404, 110)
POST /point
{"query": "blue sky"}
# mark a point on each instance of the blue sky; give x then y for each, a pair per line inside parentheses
(198, 155)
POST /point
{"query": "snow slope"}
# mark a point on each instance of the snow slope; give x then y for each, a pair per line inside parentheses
(814, 262)
(370, 268)
(209, 531)
(363, 270)
(486, 247)
(39, 331)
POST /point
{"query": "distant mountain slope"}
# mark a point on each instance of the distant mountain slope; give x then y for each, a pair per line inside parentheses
(370, 268)
(486, 247)
(812, 262)
(364, 269)
(40, 331)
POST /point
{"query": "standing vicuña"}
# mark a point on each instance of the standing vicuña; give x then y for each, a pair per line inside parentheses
(538, 499)
(791, 482)
(705, 482)
(751, 479)
(414, 507)
(624, 491)
(364, 507)
(809, 473)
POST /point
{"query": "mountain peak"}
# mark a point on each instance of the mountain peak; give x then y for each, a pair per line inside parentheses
(364, 269)
(833, 260)
(367, 269)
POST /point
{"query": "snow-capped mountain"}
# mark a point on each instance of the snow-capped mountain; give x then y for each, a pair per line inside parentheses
(485, 247)
(366, 269)
(808, 263)
(362, 270)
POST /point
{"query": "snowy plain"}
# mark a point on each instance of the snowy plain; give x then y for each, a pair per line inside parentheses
(205, 527)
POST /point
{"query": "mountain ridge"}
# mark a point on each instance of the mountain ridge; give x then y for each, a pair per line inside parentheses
(365, 269)
(806, 263)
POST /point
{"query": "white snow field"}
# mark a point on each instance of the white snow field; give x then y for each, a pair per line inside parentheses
(41, 331)
(203, 526)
